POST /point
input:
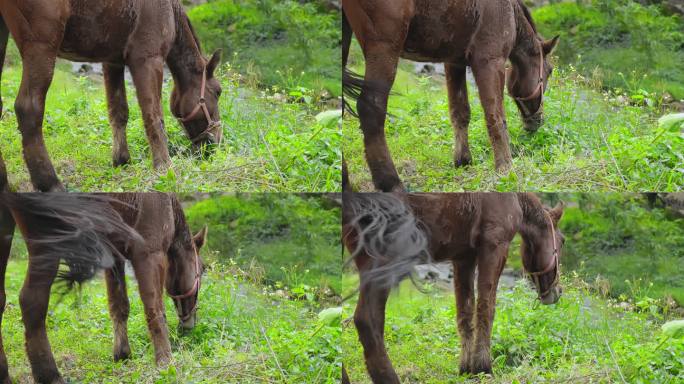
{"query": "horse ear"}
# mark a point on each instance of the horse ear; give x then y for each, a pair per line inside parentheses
(213, 63)
(200, 238)
(549, 45)
(557, 212)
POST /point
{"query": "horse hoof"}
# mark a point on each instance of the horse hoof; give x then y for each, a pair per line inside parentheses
(122, 355)
(121, 160)
(462, 161)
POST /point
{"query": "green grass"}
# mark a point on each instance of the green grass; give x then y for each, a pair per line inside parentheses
(621, 43)
(582, 339)
(271, 141)
(590, 141)
(246, 334)
(634, 252)
(294, 240)
(287, 43)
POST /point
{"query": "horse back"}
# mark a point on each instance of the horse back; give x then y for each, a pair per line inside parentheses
(458, 223)
(106, 31)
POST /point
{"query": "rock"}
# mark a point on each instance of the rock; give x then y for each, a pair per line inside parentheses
(674, 6)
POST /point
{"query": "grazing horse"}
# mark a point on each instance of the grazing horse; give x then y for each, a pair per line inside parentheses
(388, 235)
(140, 35)
(459, 33)
(148, 229)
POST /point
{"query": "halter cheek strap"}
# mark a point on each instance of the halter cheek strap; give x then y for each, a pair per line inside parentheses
(193, 291)
(202, 106)
(553, 264)
(537, 91)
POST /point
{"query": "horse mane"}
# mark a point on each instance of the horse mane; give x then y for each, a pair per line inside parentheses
(522, 16)
(182, 20)
(527, 15)
(533, 210)
(182, 234)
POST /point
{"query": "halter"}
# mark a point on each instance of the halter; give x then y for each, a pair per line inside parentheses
(553, 264)
(202, 105)
(193, 291)
(536, 93)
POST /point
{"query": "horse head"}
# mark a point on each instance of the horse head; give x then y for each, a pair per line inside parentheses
(541, 252)
(196, 106)
(527, 79)
(184, 275)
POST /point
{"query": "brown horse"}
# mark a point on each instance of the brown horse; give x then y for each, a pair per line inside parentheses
(459, 33)
(140, 35)
(388, 236)
(149, 230)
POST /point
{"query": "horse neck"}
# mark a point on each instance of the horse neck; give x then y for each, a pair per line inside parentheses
(526, 34)
(535, 225)
(185, 59)
(182, 238)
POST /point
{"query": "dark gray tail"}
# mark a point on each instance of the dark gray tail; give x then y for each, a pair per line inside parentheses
(385, 229)
(83, 231)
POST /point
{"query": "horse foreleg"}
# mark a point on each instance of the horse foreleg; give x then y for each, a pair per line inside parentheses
(150, 275)
(464, 287)
(6, 234)
(148, 75)
(118, 112)
(459, 111)
(119, 308)
(491, 261)
(490, 78)
(33, 300)
(369, 319)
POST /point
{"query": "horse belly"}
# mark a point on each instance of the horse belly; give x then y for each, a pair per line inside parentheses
(439, 31)
(98, 30)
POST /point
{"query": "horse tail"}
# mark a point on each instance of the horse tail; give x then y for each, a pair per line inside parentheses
(83, 231)
(381, 229)
(4, 39)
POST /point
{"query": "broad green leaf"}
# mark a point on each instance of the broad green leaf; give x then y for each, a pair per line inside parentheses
(674, 329)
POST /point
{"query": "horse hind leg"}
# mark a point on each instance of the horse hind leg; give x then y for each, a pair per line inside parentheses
(369, 319)
(459, 111)
(119, 308)
(6, 234)
(4, 39)
(39, 64)
(118, 112)
(33, 300)
(464, 288)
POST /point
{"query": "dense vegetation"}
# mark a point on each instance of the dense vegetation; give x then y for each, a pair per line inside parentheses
(622, 279)
(277, 134)
(621, 44)
(273, 274)
(290, 44)
(246, 333)
(625, 248)
(293, 239)
(582, 339)
(601, 132)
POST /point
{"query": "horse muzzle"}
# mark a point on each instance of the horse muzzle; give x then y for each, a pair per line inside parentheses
(552, 296)
(534, 122)
(188, 323)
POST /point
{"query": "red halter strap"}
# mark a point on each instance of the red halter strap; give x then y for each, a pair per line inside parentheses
(202, 106)
(553, 264)
(537, 91)
(194, 290)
